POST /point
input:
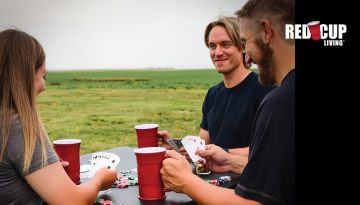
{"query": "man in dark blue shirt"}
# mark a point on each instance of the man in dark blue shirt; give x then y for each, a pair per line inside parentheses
(268, 177)
(229, 107)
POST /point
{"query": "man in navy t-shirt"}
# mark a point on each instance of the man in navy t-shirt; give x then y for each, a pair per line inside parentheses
(229, 107)
(268, 177)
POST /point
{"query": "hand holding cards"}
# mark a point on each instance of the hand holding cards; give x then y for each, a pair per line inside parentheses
(191, 144)
(103, 159)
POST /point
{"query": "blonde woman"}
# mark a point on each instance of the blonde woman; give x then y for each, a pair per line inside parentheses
(30, 171)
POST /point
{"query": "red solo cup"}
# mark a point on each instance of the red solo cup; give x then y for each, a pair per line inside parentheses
(147, 135)
(149, 162)
(69, 150)
(314, 28)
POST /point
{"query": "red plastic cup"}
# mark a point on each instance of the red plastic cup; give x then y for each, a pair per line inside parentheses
(314, 28)
(149, 162)
(147, 135)
(69, 150)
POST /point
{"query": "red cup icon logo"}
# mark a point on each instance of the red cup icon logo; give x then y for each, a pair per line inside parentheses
(314, 28)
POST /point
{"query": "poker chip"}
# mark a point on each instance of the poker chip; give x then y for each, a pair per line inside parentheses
(117, 203)
(116, 182)
(132, 177)
(98, 200)
(226, 178)
(128, 174)
(125, 180)
(133, 182)
(106, 202)
(214, 182)
(119, 177)
(122, 185)
(221, 181)
(208, 181)
(125, 171)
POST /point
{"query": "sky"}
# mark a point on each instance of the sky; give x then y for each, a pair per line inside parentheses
(118, 34)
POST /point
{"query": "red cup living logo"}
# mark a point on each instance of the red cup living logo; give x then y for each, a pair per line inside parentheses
(332, 34)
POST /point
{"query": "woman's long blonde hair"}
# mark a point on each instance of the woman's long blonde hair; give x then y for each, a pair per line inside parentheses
(21, 55)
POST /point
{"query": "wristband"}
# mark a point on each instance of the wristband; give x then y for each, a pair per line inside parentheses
(226, 150)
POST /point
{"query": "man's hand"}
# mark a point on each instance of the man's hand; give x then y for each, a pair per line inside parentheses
(184, 153)
(162, 137)
(175, 172)
(217, 160)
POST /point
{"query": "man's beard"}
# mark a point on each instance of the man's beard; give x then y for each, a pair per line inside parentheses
(265, 64)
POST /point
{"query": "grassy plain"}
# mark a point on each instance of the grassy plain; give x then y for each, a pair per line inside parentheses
(159, 79)
(103, 115)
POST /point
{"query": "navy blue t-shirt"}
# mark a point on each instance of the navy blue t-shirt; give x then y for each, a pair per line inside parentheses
(228, 113)
(269, 176)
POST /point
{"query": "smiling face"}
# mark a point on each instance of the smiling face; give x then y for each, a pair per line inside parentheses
(258, 53)
(40, 79)
(224, 54)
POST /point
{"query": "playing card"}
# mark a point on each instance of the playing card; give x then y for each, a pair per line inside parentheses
(94, 163)
(172, 144)
(178, 143)
(113, 161)
(193, 146)
(84, 168)
(100, 160)
(175, 143)
(103, 159)
(187, 144)
(191, 143)
(103, 192)
(198, 144)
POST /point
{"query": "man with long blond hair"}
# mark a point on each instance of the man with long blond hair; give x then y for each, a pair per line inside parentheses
(268, 177)
(229, 107)
(30, 171)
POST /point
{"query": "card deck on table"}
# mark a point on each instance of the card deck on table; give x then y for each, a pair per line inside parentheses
(175, 143)
(103, 159)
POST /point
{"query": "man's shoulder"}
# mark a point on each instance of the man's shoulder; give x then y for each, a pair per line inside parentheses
(281, 97)
(216, 88)
(256, 87)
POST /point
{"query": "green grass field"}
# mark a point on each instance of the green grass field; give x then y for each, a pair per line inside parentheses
(160, 79)
(103, 115)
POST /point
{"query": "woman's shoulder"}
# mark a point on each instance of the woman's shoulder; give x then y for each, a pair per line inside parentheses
(16, 134)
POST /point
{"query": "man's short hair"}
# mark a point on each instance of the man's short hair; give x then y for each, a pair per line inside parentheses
(232, 27)
(277, 12)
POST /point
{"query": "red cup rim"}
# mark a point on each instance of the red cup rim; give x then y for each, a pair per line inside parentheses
(313, 23)
(149, 198)
(146, 126)
(149, 150)
(67, 141)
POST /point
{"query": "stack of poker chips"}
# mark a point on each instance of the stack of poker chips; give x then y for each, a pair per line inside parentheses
(107, 202)
(219, 181)
(98, 200)
(125, 178)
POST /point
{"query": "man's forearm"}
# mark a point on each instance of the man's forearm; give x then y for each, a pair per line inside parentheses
(237, 163)
(205, 193)
(240, 151)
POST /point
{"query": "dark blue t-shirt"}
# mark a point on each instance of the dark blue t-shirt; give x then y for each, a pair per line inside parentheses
(269, 176)
(228, 113)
